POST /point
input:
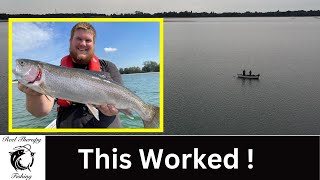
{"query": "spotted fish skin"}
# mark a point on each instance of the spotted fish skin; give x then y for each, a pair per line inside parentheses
(83, 86)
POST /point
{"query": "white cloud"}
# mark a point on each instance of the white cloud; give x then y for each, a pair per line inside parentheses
(110, 49)
(28, 36)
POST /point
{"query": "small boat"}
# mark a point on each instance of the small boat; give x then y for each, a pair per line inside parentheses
(249, 76)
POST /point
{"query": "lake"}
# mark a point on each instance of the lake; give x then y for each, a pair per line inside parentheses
(3, 77)
(203, 96)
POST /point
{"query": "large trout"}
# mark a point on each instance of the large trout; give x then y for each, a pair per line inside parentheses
(83, 86)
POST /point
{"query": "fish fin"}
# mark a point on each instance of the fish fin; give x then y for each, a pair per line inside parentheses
(94, 111)
(153, 122)
(100, 74)
(47, 97)
(104, 76)
(108, 76)
(127, 112)
(43, 91)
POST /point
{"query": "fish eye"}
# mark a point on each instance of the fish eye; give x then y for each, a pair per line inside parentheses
(21, 63)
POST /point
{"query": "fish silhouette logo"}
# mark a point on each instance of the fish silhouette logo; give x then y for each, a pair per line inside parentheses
(22, 158)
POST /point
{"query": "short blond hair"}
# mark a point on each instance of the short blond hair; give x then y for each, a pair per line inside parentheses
(85, 26)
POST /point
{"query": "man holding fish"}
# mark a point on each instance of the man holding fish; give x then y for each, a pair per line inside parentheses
(72, 114)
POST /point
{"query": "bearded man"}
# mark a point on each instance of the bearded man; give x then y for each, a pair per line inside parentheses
(71, 114)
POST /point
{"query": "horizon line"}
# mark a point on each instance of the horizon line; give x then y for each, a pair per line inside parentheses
(141, 12)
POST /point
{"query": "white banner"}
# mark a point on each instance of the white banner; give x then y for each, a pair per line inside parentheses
(22, 157)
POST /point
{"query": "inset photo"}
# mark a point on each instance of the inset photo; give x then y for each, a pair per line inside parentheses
(86, 75)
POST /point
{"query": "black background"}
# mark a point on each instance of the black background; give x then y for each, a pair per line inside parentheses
(283, 157)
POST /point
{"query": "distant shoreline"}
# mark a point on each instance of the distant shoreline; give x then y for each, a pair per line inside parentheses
(141, 73)
(186, 17)
(171, 14)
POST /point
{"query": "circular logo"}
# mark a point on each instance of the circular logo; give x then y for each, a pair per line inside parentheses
(22, 158)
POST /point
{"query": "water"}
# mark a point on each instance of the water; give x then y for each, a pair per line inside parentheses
(3, 77)
(144, 85)
(21, 118)
(203, 96)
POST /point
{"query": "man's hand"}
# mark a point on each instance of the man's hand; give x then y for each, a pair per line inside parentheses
(108, 110)
(27, 90)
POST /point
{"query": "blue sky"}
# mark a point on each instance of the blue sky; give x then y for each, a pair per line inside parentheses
(126, 44)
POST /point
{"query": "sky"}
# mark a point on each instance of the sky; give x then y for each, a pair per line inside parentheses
(126, 44)
(152, 6)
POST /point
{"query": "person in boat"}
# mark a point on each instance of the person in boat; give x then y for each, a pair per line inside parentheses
(250, 73)
(244, 72)
(75, 115)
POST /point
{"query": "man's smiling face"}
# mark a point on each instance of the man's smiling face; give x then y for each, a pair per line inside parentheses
(82, 46)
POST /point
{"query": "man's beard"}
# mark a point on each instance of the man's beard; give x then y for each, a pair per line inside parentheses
(81, 58)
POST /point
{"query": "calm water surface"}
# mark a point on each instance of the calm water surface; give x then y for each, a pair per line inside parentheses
(203, 96)
(3, 77)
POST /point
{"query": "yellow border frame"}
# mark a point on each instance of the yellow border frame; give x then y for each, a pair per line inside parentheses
(43, 130)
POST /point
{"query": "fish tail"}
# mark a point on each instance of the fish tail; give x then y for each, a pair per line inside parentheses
(153, 122)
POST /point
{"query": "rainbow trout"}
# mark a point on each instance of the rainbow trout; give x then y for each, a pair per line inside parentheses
(83, 86)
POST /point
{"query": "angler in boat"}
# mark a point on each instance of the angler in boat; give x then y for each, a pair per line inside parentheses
(248, 76)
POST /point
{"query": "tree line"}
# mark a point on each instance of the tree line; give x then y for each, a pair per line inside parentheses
(148, 66)
(139, 14)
